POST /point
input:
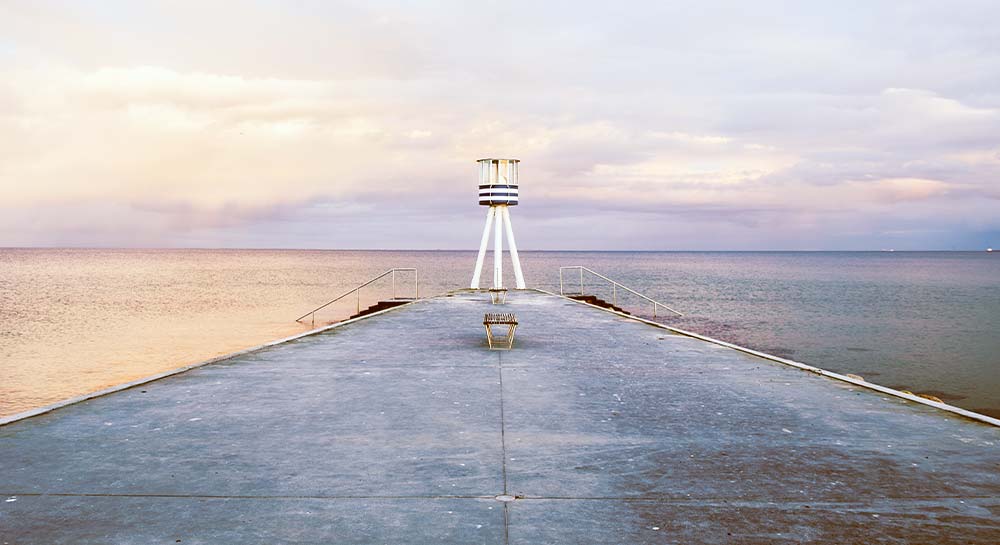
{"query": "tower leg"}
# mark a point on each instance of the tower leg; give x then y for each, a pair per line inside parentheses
(482, 248)
(498, 247)
(515, 260)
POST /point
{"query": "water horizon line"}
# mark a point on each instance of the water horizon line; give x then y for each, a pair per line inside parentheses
(473, 250)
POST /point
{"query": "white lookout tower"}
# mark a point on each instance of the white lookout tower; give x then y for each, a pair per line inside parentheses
(498, 190)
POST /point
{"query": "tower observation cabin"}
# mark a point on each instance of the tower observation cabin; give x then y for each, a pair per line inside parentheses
(498, 182)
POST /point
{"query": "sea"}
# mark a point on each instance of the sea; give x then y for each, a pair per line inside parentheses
(74, 321)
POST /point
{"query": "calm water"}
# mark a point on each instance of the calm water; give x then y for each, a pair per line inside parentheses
(73, 321)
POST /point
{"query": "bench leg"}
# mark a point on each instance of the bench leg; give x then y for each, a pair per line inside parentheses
(507, 340)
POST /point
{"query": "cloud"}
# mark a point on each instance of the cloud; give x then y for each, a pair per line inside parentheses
(894, 190)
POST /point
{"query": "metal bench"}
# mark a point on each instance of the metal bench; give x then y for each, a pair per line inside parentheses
(498, 296)
(497, 342)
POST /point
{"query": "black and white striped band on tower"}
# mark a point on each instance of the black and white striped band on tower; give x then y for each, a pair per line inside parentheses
(490, 195)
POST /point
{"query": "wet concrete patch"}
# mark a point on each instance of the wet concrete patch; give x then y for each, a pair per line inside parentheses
(586, 521)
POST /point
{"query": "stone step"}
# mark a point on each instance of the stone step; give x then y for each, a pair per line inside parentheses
(597, 301)
(381, 305)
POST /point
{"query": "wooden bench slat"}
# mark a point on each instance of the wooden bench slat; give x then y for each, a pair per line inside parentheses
(499, 318)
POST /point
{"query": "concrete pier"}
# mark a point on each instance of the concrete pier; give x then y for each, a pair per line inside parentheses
(404, 428)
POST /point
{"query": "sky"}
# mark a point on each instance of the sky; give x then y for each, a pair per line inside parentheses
(639, 125)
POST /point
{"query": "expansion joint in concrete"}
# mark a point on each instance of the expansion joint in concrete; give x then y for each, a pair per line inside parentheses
(245, 496)
(503, 454)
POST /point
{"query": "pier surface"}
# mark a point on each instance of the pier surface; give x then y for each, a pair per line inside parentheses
(404, 428)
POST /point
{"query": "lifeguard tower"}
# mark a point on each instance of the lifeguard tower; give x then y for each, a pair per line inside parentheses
(498, 191)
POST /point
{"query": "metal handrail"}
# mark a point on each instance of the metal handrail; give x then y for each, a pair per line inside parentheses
(416, 292)
(614, 288)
